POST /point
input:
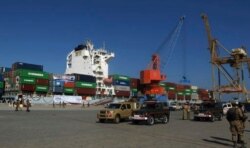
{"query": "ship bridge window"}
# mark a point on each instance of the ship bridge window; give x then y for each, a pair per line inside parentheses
(78, 53)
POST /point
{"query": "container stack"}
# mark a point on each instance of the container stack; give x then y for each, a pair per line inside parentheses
(170, 88)
(30, 78)
(26, 78)
(85, 85)
(203, 94)
(121, 85)
(62, 84)
(134, 86)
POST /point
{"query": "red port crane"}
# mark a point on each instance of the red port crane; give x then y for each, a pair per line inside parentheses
(151, 77)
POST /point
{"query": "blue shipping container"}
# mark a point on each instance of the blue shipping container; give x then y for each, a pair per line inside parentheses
(58, 83)
(57, 89)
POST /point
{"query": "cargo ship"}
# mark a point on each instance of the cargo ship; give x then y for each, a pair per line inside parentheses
(86, 78)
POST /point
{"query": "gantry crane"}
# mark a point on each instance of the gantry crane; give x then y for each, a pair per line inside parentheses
(235, 60)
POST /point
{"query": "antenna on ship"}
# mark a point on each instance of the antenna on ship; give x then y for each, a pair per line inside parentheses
(103, 44)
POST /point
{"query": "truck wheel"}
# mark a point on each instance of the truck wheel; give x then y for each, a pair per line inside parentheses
(151, 120)
(117, 119)
(164, 119)
(212, 119)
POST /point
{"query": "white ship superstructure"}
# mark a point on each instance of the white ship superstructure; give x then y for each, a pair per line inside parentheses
(86, 60)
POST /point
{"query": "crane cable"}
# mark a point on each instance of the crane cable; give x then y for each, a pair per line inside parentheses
(170, 43)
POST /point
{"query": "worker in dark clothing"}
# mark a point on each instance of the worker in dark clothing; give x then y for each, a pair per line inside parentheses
(17, 104)
(28, 105)
(236, 127)
(243, 119)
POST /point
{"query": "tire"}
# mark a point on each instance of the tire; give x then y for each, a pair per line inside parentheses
(165, 119)
(101, 120)
(151, 120)
(117, 119)
(135, 121)
(212, 119)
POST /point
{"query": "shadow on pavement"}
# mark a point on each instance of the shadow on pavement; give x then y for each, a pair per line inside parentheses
(219, 140)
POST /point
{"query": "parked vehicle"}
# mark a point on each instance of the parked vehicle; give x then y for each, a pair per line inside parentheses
(151, 112)
(173, 106)
(117, 111)
(209, 112)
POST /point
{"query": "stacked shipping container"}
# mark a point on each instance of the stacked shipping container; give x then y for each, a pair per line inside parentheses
(121, 85)
(85, 85)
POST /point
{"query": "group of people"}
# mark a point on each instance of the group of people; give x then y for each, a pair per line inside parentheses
(237, 118)
(19, 103)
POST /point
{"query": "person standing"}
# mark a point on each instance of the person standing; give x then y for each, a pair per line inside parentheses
(28, 105)
(185, 112)
(234, 117)
(17, 104)
(243, 119)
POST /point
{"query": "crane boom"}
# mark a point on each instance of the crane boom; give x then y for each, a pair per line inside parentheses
(208, 30)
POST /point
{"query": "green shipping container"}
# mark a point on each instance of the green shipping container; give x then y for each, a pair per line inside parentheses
(85, 85)
(31, 74)
(169, 88)
(163, 84)
(40, 88)
(24, 80)
(69, 90)
(1, 84)
(121, 77)
(134, 90)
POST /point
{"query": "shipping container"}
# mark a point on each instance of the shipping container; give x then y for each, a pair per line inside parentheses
(121, 82)
(57, 83)
(79, 84)
(1, 85)
(171, 95)
(69, 90)
(24, 80)
(69, 84)
(21, 65)
(84, 78)
(64, 77)
(40, 88)
(57, 90)
(187, 97)
(27, 87)
(122, 88)
(134, 83)
(42, 82)
(120, 77)
(86, 91)
(32, 74)
(122, 93)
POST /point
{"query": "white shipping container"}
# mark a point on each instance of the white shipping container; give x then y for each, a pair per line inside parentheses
(194, 87)
(122, 88)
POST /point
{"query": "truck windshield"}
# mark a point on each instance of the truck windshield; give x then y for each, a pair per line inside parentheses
(114, 106)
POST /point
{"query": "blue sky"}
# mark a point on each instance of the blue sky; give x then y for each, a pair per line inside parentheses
(45, 31)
